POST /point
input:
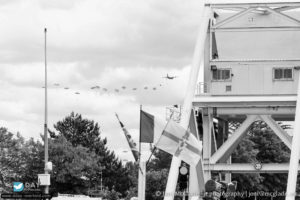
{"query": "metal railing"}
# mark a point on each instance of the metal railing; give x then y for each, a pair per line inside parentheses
(202, 88)
(174, 112)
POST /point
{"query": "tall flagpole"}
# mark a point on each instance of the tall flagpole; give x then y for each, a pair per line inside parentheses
(142, 171)
(140, 135)
(46, 114)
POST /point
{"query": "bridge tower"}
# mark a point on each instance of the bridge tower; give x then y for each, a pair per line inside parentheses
(248, 63)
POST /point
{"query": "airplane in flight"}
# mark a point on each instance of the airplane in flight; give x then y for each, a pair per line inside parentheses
(95, 87)
(170, 77)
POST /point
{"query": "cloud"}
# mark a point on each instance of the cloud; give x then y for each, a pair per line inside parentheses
(101, 33)
(57, 4)
(110, 43)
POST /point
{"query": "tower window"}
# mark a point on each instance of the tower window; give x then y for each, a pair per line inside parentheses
(221, 75)
(283, 74)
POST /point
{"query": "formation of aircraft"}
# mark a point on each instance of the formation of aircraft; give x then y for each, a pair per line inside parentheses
(97, 87)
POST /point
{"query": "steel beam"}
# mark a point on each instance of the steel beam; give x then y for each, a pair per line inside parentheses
(284, 110)
(231, 18)
(272, 101)
(256, 29)
(286, 138)
(247, 5)
(197, 172)
(285, 8)
(207, 121)
(231, 143)
(256, 62)
(187, 104)
(248, 168)
(276, 12)
(295, 152)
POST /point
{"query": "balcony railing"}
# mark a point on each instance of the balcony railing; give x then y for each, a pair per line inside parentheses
(202, 88)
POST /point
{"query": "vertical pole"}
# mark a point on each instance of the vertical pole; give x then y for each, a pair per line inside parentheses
(142, 167)
(142, 181)
(295, 152)
(207, 139)
(46, 113)
(226, 132)
(140, 153)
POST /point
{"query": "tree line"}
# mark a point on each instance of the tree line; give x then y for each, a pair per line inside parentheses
(83, 164)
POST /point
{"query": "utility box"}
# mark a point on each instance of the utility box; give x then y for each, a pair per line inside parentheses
(49, 166)
(44, 179)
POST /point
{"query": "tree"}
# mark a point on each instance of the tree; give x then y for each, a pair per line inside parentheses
(161, 160)
(133, 177)
(155, 184)
(156, 178)
(73, 167)
(86, 133)
(271, 150)
(246, 153)
(20, 160)
(10, 153)
(261, 145)
(33, 155)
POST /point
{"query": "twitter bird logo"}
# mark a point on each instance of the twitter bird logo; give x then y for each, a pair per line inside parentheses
(18, 186)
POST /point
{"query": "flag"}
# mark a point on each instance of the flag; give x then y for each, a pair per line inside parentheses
(130, 141)
(150, 127)
(180, 143)
(147, 127)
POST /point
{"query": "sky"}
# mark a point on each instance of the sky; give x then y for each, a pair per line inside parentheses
(115, 44)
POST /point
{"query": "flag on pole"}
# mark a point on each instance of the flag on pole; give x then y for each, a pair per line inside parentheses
(151, 127)
(180, 143)
(130, 141)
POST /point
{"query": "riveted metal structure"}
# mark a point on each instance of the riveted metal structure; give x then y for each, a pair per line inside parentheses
(245, 69)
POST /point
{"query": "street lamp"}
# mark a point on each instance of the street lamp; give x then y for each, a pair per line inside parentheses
(44, 179)
(46, 115)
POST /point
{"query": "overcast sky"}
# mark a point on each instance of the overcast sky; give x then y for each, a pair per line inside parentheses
(110, 43)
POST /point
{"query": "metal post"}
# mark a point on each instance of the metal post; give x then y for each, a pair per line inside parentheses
(142, 171)
(295, 152)
(46, 114)
(142, 181)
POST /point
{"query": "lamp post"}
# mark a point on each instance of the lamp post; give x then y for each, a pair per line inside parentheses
(46, 114)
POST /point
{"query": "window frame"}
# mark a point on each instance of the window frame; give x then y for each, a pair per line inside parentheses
(222, 80)
(282, 79)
